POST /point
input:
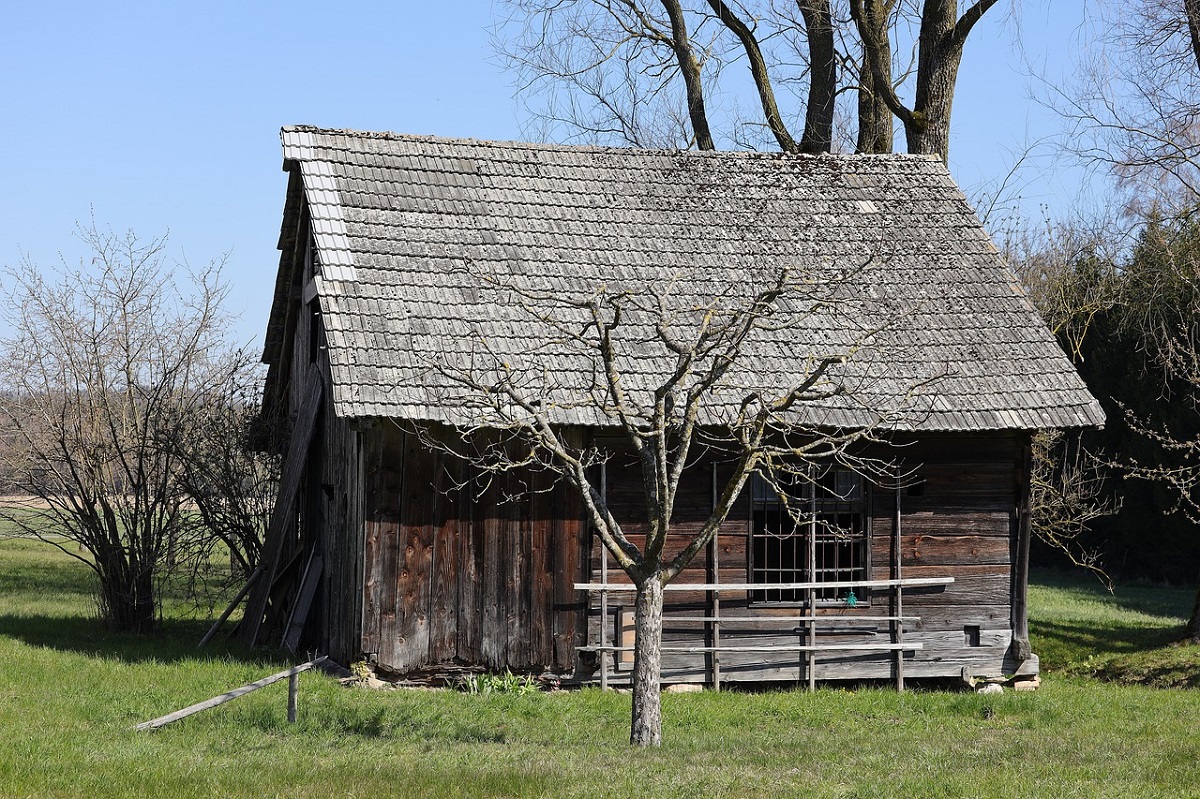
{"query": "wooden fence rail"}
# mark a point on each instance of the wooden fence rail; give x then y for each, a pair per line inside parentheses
(290, 674)
(809, 620)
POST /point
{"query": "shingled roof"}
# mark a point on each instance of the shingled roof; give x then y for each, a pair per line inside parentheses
(405, 226)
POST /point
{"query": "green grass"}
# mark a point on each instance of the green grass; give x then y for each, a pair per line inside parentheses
(1128, 636)
(69, 694)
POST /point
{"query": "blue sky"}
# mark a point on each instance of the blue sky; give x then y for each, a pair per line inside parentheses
(158, 117)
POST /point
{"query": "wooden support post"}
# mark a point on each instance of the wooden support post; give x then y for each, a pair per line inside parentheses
(208, 636)
(303, 603)
(604, 653)
(1020, 589)
(898, 610)
(216, 701)
(714, 596)
(811, 639)
(285, 503)
(293, 694)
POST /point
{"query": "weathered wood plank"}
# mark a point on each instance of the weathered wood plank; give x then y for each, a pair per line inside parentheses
(973, 585)
(541, 572)
(216, 701)
(391, 478)
(303, 602)
(471, 566)
(414, 578)
(516, 583)
(915, 581)
(494, 630)
(373, 574)
(921, 549)
(444, 535)
(233, 603)
(951, 521)
(294, 467)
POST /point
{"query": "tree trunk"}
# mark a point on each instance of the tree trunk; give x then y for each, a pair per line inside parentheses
(822, 74)
(646, 727)
(1191, 9)
(938, 56)
(126, 597)
(935, 101)
(875, 132)
(689, 68)
(877, 99)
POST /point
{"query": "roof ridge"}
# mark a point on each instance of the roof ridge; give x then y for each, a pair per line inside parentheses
(595, 148)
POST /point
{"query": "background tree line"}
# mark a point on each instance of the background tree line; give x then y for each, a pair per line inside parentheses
(1121, 290)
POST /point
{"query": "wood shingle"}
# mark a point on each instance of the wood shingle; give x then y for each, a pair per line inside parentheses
(403, 226)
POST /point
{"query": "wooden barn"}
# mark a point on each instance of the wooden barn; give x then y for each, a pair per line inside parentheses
(385, 550)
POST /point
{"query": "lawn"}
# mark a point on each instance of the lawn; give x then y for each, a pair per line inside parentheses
(69, 694)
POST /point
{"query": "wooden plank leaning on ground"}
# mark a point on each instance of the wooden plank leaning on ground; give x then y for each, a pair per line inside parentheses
(289, 487)
(154, 724)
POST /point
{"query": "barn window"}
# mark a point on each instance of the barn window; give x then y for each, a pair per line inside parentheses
(810, 529)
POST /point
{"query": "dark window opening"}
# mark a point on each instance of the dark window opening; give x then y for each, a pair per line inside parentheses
(811, 530)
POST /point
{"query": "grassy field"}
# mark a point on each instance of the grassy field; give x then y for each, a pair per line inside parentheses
(69, 694)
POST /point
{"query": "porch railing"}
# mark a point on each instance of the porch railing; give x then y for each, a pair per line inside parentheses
(808, 619)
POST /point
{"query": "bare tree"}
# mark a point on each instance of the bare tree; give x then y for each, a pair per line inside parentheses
(229, 467)
(621, 69)
(667, 365)
(1160, 295)
(1067, 494)
(1073, 283)
(1136, 112)
(943, 34)
(1134, 104)
(1071, 273)
(106, 364)
(1134, 311)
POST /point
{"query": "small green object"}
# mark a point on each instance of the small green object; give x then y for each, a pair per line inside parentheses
(851, 599)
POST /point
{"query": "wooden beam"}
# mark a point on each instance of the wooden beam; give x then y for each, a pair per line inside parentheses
(229, 609)
(898, 592)
(714, 597)
(299, 614)
(154, 724)
(285, 505)
(910, 582)
(911, 646)
(1020, 588)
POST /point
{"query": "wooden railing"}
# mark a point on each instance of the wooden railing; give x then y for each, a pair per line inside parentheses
(809, 619)
(290, 675)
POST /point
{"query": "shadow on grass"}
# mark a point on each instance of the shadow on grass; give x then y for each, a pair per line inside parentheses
(1130, 636)
(1167, 601)
(54, 606)
(174, 641)
(1085, 638)
(1173, 666)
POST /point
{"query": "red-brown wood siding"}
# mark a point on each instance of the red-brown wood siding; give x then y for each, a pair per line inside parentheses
(475, 580)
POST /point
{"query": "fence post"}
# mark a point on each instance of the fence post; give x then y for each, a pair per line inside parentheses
(293, 693)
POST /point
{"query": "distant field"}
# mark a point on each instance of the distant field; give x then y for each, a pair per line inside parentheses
(20, 501)
(69, 693)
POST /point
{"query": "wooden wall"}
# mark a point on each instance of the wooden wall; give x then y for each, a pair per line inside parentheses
(959, 519)
(453, 576)
(418, 570)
